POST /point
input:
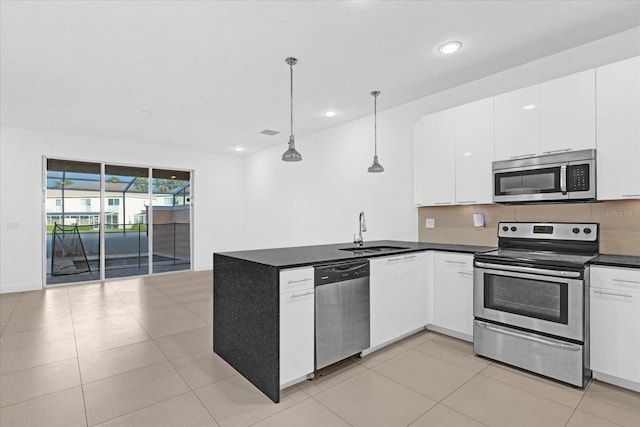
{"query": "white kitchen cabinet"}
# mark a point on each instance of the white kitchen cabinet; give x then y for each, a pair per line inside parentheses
(474, 152)
(552, 117)
(398, 295)
(453, 150)
(413, 293)
(297, 296)
(618, 130)
(434, 159)
(568, 113)
(517, 123)
(453, 300)
(615, 325)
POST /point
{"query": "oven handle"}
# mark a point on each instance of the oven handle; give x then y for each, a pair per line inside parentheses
(570, 347)
(532, 270)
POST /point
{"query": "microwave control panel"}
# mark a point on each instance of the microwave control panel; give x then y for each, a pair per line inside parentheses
(578, 177)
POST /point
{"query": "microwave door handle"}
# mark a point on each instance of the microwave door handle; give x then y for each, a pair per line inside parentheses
(563, 179)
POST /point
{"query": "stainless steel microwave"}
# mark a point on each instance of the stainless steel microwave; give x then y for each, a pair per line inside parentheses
(569, 176)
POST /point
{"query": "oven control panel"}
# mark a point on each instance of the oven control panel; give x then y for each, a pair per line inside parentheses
(547, 230)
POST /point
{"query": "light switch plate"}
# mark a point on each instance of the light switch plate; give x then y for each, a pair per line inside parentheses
(430, 223)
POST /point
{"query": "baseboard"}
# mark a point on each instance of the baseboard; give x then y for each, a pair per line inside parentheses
(449, 332)
(620, 382)
(21, 287)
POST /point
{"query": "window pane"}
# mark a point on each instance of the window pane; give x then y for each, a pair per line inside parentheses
(73, 225)
(171, 220)
(126, 238)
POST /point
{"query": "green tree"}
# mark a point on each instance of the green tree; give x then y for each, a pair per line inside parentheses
(63, 183)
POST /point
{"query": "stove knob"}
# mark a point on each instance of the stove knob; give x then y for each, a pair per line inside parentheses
(514, 228)
(505, 228)
(587, 230)
(576, 230)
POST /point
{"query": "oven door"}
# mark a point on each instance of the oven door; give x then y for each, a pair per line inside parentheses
(531, 298)
(532, 183)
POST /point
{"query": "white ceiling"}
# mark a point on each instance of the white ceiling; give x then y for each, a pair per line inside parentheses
(211, 75)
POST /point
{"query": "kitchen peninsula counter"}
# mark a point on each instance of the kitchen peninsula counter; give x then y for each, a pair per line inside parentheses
(246, 300)
(300, 256)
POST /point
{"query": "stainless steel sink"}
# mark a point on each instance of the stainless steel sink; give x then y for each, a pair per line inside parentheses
(373, 249)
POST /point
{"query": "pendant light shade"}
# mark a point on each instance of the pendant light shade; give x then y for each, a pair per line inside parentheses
(375, 167)
(291, 155)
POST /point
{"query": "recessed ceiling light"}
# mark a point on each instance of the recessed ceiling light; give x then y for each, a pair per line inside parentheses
(330, 113)
(449, 47)
(239, 149)
(529, 107)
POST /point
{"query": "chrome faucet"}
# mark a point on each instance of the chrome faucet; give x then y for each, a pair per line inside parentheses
(362, 227)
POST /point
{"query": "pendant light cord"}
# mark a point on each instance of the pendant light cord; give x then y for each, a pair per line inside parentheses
(375, 125)
(291, 99)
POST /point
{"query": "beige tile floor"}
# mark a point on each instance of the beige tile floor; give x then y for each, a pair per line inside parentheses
(138, 352)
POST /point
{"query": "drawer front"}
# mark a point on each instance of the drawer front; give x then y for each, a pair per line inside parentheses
(615, 278)
(454, 261)
(295, 279)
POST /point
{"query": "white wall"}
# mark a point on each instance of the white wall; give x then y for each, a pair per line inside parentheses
(317, 200)
(217, 196)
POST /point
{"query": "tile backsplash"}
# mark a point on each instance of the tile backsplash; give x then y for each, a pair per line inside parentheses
(619, 222)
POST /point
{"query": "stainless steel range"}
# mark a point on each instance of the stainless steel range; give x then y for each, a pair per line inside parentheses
(531, 298)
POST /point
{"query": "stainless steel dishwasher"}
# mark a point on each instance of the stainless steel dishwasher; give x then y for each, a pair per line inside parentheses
(342, 311)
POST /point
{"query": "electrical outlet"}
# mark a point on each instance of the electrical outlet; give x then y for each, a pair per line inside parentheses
(430, 223)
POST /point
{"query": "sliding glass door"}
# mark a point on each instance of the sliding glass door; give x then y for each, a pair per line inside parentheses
(72, 221)
(126, 237)
(102, 220)
(171, 205)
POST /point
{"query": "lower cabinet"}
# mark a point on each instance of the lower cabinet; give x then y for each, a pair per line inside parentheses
(398, 295)
(615, 325)
(453, 294)
(297, 296)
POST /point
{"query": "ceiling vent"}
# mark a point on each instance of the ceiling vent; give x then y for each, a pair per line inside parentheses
(269, 132)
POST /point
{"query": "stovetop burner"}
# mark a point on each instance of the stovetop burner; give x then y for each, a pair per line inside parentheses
(536, 257)
(551, 244)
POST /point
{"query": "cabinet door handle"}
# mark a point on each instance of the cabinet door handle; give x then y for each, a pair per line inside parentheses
(522, 155)
(626, 281)
(302, 295)
(465, 273)
(467, 201)
(441, 203)
(613, 294)
(394, 259)
(306, 279)
(455, 262)
(411, 257)
(557, 151)
(631, 195)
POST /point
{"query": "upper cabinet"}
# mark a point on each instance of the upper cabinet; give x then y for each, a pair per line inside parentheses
(552, 117)
(517, 121)
(453, 150)
(474, 152)
(618, 130)
(568, 113)
(434, 158)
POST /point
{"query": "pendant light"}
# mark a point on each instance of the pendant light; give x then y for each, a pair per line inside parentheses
(375, 167)
(291, 155)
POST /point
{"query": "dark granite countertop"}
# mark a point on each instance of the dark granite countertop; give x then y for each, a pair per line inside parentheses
(319, 254)
(629, 261)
